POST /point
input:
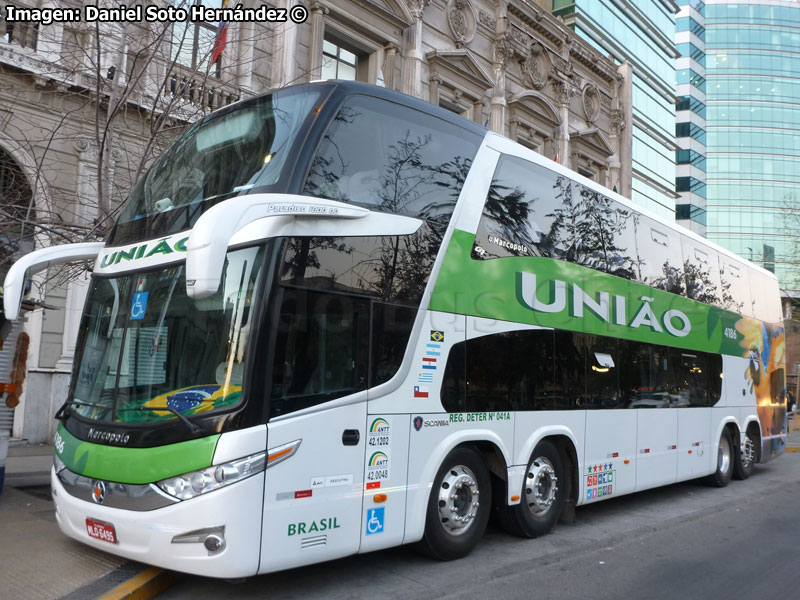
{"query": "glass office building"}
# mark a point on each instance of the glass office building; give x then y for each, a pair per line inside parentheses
(640, 33)
(690, 127)
(753, 131)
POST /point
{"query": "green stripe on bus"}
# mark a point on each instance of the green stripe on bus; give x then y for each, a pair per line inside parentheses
(133, 465)
(554, 293)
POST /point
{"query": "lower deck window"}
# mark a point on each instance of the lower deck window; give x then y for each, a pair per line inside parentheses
(540, 369)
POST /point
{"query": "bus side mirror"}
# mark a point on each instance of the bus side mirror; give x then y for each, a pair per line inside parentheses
(39, 260)
(284, 214)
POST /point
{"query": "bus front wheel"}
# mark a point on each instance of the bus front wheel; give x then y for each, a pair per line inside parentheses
(725, 459)
(458, 507)
(543, 494)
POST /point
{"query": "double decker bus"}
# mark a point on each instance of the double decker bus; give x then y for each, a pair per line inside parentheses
(334, 319)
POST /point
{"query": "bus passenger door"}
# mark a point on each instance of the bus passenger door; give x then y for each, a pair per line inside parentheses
(312, 500)
(316, 436)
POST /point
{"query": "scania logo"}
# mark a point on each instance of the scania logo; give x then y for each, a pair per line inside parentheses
(99, 492)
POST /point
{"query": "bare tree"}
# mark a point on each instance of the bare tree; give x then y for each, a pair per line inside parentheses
(120, 92)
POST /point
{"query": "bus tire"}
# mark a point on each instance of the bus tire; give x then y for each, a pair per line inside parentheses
(725, 460)
(745, 462)
(543, 494)
(458, 507)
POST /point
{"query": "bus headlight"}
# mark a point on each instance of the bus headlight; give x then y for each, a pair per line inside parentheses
(199, 482)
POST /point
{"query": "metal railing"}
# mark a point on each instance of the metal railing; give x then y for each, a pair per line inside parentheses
(207, 92)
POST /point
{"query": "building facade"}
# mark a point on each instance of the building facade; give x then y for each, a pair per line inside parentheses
(690, 120)
(753, 131)
(511, 66)
(639, 36)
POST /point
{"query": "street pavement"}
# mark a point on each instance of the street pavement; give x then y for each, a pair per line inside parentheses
(38, 562)
(677, 542)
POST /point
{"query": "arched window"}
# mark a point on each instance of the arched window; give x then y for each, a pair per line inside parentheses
(16, 212)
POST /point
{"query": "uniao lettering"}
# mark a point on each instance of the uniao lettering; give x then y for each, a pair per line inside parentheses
(551, 297)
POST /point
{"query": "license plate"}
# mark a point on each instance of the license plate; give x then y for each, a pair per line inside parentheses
(101, 530)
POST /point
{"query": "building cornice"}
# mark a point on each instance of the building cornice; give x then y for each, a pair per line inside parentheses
(539, 23)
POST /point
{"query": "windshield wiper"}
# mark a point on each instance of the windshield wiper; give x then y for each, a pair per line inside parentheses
(60, 412)
(193, 427)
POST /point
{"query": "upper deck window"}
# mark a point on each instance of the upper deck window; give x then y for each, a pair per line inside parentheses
(238, 151)
(392, 158)
(533, 211)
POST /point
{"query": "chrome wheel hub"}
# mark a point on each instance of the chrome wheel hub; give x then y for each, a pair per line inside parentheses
(458, 500)
(541, 486)
(723, 456)
(748, 452)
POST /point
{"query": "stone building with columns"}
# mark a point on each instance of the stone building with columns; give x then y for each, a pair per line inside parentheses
(506, 64)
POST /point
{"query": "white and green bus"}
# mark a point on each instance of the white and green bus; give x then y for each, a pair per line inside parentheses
(334, 319)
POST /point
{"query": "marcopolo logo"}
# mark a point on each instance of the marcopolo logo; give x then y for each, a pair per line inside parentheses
(673, 321)
(110, 437)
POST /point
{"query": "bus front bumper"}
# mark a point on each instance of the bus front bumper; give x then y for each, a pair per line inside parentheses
(149, 536)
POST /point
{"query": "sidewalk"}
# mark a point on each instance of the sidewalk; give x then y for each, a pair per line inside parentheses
(38, 562)
(793, 442)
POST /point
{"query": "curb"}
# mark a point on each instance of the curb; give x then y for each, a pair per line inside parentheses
(792, 449)
(143, 586)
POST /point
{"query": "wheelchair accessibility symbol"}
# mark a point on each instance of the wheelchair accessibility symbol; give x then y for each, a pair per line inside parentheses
(139, 305)
(375, 520)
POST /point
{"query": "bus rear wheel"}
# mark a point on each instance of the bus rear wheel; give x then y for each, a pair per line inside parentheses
(458, 507)
(725, 460)
(745, 462)
(543, 494)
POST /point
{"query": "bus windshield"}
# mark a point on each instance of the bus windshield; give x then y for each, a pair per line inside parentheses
(225, 154)
(146, 351)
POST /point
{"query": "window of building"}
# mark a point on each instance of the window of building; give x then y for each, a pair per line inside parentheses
(689, 24)
(690, 157)
(690, 212)
(692, 51)
(687, 129)
(19, 33)
(193, 42)
(691, 77)
(690, 184)
(16, 201)
(338, 62)
(692, 104)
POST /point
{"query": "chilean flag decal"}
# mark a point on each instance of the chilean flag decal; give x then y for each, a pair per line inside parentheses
(420, 391)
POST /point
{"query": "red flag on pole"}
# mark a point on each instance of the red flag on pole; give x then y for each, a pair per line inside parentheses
(221, 39)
